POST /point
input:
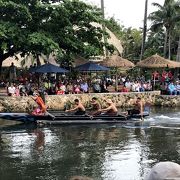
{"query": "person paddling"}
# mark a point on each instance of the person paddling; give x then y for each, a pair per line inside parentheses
(111, 110)
(41, 109)
(80, 109)
(96, 107)
(138, 108)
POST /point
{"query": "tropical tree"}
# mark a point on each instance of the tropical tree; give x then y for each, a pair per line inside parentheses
(45, 26)
(131, 40)
(166, 17)
(154, 43)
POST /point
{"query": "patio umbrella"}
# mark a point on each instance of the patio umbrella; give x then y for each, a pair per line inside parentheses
(157, 61)
(48, 68)
(88, 67)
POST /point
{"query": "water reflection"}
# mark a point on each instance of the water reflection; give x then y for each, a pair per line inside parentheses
(100, 152)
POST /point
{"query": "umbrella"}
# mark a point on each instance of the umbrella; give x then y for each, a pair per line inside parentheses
(117, 61)
(48, 68)
(91, 67)
(157, 61)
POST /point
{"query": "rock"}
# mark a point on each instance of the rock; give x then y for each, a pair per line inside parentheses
(57, 102)
(164, 170)
(80, 178)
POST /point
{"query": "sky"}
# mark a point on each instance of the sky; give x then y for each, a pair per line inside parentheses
(129, 13)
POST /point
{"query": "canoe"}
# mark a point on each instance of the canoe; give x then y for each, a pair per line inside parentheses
(63, 118)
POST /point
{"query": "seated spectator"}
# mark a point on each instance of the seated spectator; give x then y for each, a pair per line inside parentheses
(84, 87)
(17, 91)
(62, 88)
(96, 87)
(172, 89)
(103, 87)
(77, 89)
(23, 91)
(125, 89)
(60, 91)
(177, 87)
(141, 87)
(11, 90)
(148, 86)
(69, 88)
(135, 87)
(128, 84)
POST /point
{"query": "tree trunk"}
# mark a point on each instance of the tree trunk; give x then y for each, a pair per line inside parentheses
(169, 45)
(144, 30)
(178, 52)
(38, 60)
(1, 60)
(165, 43)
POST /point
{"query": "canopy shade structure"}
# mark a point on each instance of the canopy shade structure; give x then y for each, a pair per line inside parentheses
(118, 62)
(157, 61)
(79, 61)
(91, 67)
(48, 68)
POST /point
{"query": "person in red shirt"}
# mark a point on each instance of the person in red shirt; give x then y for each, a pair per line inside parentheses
(41, 109)
(155, 75)
(164, 76)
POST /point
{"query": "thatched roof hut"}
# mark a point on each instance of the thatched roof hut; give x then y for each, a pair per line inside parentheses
(117, 61)
(157, 61)
(79, 61)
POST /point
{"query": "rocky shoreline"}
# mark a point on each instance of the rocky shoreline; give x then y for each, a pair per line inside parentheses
(57, 102)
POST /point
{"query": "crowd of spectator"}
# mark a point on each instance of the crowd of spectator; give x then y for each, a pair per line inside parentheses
(77, 86)
(98, 84)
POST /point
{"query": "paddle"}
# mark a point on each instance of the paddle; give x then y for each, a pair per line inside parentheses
(49, 114)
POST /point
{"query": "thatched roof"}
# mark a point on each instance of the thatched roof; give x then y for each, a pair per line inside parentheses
(7, 62)
(79, 61)
(157, 61)
(117, 61)
(112, 38)
(27, 61)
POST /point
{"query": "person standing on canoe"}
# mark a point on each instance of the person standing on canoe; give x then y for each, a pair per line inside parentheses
(111, 110)
(41, 109)
(80, 109)
(96, 107)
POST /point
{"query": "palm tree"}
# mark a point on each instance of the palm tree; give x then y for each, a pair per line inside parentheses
(144, 30)
(166, 16)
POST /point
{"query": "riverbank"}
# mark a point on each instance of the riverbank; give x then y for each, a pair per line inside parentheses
(57, 102)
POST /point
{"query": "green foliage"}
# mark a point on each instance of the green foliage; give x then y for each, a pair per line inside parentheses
(44, 26)
(166, 17)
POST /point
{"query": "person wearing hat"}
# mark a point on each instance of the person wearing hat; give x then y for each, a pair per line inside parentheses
(41, 109)
(111, 110)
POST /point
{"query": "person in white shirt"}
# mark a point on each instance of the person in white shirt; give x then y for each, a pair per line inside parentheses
(11, 90)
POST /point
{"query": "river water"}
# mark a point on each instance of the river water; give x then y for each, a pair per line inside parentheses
(102, 152)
